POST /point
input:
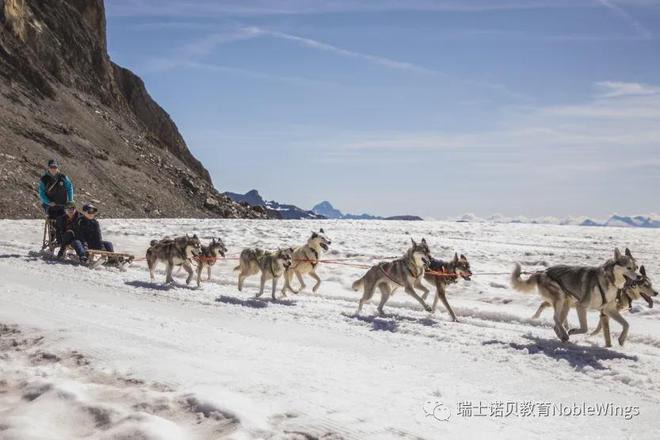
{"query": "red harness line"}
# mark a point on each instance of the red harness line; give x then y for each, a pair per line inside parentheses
(345, 262)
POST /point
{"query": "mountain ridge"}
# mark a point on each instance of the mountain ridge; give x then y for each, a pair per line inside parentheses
(326, 209)
(615, 220)
(274, 209)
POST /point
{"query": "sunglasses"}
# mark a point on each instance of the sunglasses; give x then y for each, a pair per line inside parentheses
(70, 209)
(53, 168)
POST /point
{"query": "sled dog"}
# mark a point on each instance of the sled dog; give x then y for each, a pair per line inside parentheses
(305, 261)
(457, 267)
(248, 264)
(272, 265)
(642, 288)
(208, 256)
(582, 287)
(406, 272)
(174, 252)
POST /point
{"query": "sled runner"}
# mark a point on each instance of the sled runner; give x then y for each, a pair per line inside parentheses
(49, 241)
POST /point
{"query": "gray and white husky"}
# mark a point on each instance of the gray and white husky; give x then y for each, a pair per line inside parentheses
(582, 287)
(248, 264)
(208, 257)
(272, 266)
(642, 288)
(305, 261)
(406, 272)
(174, 252)
(455, 268)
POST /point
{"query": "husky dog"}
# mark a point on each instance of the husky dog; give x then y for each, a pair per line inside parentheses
(457, 267)
(248, 264)
(174, 252)
(634, 290)
(270, 264)
(208, 256)
(305, 261)
(406, 272)
(273, 266)
(582, 287)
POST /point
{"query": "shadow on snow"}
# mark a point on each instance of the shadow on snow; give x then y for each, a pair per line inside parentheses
(390, 322)
(254, 303)
(577, 356)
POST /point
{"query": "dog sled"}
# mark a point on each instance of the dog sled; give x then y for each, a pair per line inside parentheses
(95, 258)
(103, 258)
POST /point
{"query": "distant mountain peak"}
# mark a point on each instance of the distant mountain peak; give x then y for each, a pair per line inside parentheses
(618, 220)
(326, 209)
(274, 209)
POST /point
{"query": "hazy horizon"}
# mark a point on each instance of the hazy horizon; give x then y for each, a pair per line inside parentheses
(437, 109)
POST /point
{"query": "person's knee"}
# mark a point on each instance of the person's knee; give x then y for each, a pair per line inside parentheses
(68, 237)
(78, 246)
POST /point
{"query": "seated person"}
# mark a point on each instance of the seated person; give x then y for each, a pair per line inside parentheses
(55, 190)
(89, 230)
(66, 230)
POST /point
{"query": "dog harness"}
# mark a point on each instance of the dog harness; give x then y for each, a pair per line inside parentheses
(382, 269)
(316, 258)
(564, 288)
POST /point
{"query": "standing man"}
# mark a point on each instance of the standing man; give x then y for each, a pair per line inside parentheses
(55, 190)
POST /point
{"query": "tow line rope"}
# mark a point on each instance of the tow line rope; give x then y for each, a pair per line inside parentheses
(346, 262)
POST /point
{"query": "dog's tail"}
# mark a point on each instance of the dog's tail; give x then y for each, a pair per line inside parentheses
(521, 285)
(357, 285)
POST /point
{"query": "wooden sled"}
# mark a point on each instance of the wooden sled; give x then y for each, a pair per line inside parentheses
(118, 259)
(49, 242)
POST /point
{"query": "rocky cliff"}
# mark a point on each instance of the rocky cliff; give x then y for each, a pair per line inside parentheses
(62, 97)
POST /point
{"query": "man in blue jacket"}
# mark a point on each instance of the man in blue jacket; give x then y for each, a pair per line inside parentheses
(55, 190)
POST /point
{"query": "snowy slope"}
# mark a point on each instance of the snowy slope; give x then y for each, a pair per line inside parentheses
(106, 354)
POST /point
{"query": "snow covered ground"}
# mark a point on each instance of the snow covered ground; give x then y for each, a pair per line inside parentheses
(105, 354)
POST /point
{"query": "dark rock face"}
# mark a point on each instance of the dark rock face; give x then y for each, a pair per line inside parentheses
(62, 97)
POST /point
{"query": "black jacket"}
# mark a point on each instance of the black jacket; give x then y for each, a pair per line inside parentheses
(89, 231)
(63, 224)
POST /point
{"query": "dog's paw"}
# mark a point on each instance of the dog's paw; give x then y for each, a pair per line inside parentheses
(428, 308)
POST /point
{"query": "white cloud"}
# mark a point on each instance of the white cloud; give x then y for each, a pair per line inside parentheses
(615, 89)
(319, 45)
(597, 135)
(201, 48)
(638, 27)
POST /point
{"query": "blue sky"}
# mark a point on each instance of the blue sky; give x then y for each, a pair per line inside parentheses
(435, 108)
